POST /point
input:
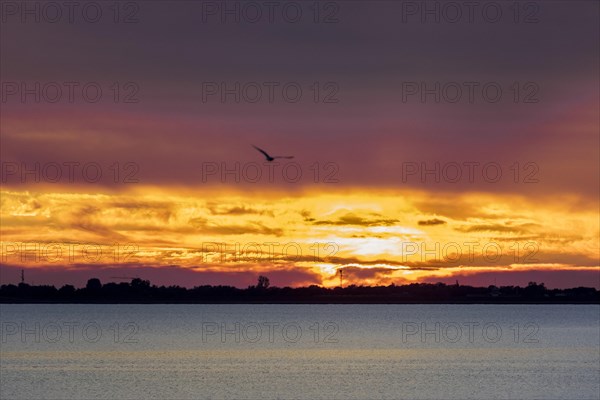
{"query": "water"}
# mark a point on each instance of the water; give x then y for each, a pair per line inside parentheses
(300, 351)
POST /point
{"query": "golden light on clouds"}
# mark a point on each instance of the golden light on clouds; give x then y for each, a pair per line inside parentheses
(376, 236)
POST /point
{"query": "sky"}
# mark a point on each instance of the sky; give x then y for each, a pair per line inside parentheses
(432, 142)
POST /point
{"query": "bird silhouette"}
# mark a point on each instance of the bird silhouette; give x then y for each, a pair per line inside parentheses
(268, 157)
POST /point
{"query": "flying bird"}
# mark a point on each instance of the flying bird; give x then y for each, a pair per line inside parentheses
(268, 157)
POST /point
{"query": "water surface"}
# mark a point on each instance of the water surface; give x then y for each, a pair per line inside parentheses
(300, 351)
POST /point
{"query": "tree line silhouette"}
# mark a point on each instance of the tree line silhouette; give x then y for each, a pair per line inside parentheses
(142, 291)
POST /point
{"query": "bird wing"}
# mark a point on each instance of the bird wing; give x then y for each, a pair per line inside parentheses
(262, 151)
(283, 156)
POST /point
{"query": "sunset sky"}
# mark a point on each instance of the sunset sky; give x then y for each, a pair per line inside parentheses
(161, 182)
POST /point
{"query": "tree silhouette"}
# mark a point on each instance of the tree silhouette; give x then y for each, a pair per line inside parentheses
(263, 282)
(67, 290)
(142, 291)
(93, 284)
(139, 283)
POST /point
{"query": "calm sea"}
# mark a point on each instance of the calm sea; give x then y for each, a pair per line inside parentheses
(300, 351)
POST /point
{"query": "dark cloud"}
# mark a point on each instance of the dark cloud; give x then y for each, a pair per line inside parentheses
(306, 215)
(353, 219)
(167, 275)
(217, 209)
(201, 225)
(171, 131)
(357, 273)
(507, 227)
(430, 222)
(89, 219)
(147, 209)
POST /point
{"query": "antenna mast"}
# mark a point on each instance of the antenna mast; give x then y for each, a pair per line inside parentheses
(341, 278)
(22, 276)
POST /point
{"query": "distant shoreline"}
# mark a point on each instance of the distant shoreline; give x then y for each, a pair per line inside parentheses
(26, 301)
(140, 291)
